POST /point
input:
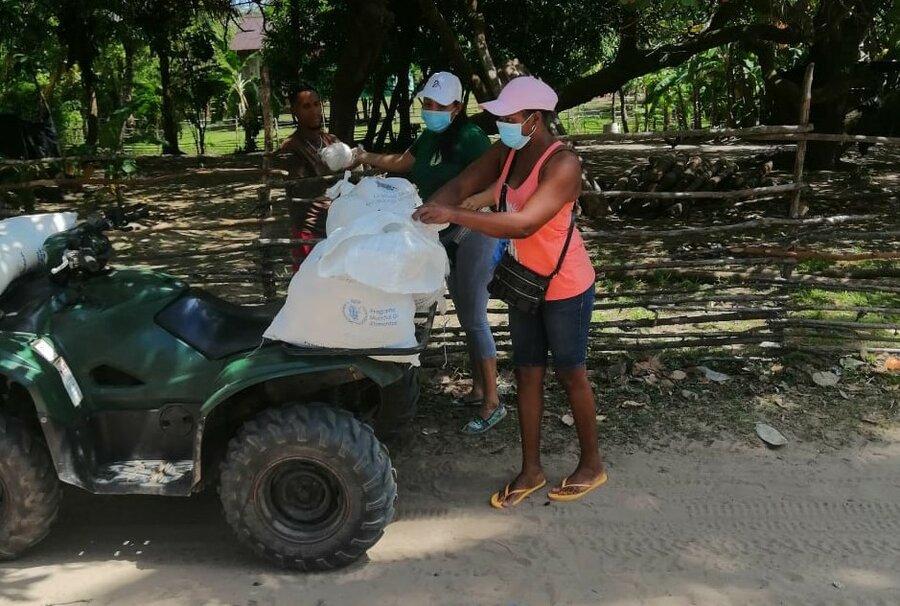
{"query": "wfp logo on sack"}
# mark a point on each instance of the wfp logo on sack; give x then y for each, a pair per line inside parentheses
(386, 186)
(355, 312)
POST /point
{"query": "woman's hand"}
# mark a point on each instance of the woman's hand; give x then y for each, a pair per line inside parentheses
(360, 157)
(435, 214)
(480, 200)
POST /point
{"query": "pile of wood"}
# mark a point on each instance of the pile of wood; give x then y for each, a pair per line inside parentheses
(674, 172)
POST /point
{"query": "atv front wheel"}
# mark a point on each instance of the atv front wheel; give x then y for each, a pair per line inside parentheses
(29, 489)
(309, 488)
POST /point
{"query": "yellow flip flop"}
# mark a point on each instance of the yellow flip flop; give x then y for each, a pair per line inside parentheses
(586, 488)
(498, 498)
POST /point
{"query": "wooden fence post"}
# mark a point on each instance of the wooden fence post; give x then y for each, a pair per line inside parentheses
(264, 203)
(798, 208)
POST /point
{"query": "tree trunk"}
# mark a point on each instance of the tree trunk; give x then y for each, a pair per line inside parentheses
(695, 102)
(169, 119)
(265, 100)
(637, 111)
(838, 29)
(296, 35)
(682, 110)
(407, 28)
(730, 120)
(612, 107)
(129, 46)
(481, 45)
(623, 111)
(375, 113)
(404, 136)
(371, 20)
(90, 110)
(388, 124)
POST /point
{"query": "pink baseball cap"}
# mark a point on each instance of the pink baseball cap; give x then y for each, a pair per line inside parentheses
(519, 94)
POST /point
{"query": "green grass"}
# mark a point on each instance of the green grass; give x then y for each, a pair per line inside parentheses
(813, 265)
(221, 138)
(815, 296)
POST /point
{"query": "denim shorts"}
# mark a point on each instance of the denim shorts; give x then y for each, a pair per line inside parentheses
(560, 327)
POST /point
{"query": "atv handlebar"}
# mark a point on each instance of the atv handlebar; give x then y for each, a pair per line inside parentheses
(87, 248)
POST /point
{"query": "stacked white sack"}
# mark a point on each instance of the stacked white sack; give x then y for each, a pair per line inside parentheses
(337, 312)
(22, 242)
(361, 286)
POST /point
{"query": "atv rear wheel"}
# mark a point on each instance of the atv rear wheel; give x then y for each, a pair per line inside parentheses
(309, 488)
(29, 489)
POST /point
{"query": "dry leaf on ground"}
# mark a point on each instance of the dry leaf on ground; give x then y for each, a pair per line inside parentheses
(712, 375)
(770, 435)
(825, 378)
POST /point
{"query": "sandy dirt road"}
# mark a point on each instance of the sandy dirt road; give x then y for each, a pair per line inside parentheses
(717, 525)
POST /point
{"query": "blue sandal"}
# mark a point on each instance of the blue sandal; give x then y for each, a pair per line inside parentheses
(479, 425)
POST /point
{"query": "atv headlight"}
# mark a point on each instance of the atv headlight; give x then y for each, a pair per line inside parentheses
(44, 347)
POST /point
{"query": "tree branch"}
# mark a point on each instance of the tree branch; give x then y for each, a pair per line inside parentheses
(452, 49)
(632, 62)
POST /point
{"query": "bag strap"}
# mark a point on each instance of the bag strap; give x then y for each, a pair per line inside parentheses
(565, 248)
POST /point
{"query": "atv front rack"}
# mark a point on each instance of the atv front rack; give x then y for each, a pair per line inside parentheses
(424, 322)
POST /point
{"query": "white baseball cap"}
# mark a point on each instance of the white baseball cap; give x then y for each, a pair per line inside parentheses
(443, 87)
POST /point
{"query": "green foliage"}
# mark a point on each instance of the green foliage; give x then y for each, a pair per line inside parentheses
(50, 50)
(557, 40)
(303, 42)
(199, 77)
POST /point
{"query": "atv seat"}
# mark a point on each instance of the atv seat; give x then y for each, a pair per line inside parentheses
(214, 327)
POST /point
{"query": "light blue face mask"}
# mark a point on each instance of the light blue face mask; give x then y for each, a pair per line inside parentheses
(511, 134)
(436, 121)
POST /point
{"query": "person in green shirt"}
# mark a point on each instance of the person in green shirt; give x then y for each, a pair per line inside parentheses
(449, 144)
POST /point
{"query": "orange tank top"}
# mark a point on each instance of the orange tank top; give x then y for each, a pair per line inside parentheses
(540, 251)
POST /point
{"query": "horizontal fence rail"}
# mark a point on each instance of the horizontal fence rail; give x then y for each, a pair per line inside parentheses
(750, 283)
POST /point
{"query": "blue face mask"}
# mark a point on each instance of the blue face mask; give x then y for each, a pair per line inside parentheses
(511, 134)
(436, 121)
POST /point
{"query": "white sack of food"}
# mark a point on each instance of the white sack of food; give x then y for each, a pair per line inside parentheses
(341, 188)
(386, 251)
(22, 241)
(371, 194)
(336, 312)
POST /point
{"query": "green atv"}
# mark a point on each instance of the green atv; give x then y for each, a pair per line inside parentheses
(124, 381)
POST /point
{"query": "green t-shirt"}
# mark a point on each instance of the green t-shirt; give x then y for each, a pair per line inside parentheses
(430, 171)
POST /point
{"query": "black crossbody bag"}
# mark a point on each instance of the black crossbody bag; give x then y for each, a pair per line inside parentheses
(520, 287)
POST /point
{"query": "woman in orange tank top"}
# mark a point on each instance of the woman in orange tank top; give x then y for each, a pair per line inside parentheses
(540, 180)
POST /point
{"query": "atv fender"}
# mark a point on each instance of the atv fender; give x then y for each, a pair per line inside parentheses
(20, 363)
(272, 363)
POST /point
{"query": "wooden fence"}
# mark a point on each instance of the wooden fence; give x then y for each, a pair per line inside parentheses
(764, 282)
